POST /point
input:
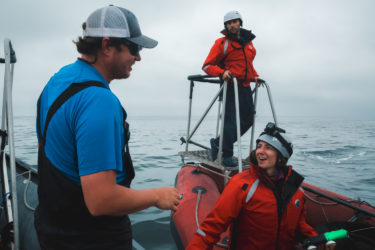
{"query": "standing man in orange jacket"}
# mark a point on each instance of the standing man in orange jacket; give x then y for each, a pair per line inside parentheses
(233, 54)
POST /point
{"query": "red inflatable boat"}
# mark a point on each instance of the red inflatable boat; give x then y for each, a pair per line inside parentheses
(201, 185)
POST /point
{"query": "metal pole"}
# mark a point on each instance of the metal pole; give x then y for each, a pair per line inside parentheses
(7, 192)
(4, 142)
(222, 122)
(8, 82)
(204, 115)
(218, 117)
(271, 103)
(238, 124)
(3, 117)
(253, 127)
(189, 114)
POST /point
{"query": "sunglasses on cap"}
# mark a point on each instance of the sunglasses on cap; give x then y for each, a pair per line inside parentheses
(133, 48)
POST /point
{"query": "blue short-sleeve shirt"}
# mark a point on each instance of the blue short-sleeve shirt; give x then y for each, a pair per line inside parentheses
(86, 134)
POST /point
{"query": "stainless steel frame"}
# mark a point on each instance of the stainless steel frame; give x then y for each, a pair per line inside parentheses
(204, 155)
(7, 126)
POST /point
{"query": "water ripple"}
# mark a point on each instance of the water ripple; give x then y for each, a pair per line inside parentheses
(328, 153)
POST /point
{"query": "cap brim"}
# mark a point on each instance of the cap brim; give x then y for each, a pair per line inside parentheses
(144, 41)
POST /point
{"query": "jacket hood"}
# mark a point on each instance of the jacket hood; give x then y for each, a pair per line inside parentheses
(245, 34)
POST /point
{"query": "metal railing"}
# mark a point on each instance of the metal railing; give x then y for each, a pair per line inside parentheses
(8, 138)
(220, 115)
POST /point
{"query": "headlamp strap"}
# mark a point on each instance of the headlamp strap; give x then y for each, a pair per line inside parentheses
(286, 144)
(281, 139)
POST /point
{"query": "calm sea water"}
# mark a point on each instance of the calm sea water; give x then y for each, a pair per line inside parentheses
(335, 154)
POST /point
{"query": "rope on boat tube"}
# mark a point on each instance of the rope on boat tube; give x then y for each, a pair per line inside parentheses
(196, 219)
(333, 203)
(25, 191)
(196, 207)
(200, 191)
(362, 229)
(319, 202)
(324, 212)
(223, 175)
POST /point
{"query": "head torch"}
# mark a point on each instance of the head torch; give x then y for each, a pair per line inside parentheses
(274, 131)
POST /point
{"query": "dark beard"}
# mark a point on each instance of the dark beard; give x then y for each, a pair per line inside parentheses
(233, 36)
(234, 32)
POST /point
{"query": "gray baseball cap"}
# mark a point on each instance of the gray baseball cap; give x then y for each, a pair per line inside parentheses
(113, 21)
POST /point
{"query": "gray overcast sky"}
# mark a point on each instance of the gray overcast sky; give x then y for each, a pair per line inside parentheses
(318, 56)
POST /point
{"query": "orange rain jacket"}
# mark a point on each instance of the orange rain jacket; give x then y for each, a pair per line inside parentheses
(258, 216)
(229, 54)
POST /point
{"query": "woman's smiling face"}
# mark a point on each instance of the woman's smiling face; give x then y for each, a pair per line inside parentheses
(266, 156)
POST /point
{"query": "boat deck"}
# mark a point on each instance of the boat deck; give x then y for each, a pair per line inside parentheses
(204, 156)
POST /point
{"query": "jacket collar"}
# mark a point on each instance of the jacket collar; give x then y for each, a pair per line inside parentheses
(261, 173)
(246, 35)
(283, 193)
(291, 177)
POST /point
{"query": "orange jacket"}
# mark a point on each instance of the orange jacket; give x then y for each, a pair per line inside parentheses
(249, 196)
(228, 54)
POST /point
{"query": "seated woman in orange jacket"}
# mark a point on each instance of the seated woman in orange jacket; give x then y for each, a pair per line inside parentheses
(264, 205)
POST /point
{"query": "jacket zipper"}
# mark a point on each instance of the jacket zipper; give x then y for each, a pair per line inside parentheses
(243, 50)
(278, 219)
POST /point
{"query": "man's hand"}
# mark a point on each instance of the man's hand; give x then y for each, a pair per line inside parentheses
(259, 81)
(227, 75)
(167, 198)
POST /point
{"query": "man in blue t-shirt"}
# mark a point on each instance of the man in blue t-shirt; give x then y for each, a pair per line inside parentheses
(85, 168)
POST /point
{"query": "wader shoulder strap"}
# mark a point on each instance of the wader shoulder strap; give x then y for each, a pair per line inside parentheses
(73, 89)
